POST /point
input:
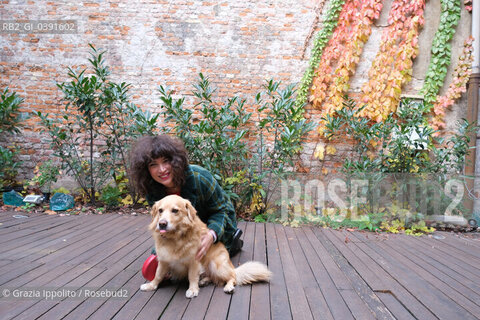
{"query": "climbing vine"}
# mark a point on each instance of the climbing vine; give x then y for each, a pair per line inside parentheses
(458, 86)
(392, 66)
(345, 48)
(329, 24)
(441, 51)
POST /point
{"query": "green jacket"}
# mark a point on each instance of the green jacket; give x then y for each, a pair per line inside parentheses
(209, 199)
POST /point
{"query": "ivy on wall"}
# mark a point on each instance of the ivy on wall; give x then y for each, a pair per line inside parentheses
(393, 63)
(441, 51)
(334, 61)
(461, 75)
(329, 24)
(344, 50)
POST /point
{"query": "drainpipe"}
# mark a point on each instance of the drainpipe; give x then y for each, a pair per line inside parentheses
(473, 108)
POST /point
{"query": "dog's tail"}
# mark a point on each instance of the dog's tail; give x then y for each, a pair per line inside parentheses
(252, 271)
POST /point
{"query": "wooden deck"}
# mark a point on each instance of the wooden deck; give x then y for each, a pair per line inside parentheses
(318, 273)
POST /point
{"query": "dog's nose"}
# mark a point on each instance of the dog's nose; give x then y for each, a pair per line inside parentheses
(162, 224)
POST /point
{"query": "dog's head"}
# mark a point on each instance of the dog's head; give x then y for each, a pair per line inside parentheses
(172, 214)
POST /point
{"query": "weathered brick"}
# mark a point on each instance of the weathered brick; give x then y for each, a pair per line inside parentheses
(239, 44)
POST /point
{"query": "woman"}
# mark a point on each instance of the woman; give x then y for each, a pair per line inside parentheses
(159, 167)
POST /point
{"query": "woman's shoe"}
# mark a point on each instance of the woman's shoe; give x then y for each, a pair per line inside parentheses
(237, 243)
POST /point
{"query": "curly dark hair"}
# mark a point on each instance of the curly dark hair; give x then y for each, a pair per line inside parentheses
(148, 148)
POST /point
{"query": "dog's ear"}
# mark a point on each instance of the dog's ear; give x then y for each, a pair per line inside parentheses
(154, 210)
(191, 212)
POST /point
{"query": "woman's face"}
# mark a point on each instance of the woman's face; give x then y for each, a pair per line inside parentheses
(161, 171)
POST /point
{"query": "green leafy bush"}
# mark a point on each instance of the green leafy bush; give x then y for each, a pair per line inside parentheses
(110, 196)
(216, 137)
(9, 124)
(402, 143)
(45, 175)
(93, 134)
(402, 147)
(281, 122)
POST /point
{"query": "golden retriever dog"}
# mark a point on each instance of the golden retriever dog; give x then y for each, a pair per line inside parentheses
(177, 231)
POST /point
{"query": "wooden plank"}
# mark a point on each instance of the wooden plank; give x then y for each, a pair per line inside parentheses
(296, 295)
(40, 243)
(394, 306)
(175, 308)
(313, 293)
(39, 226)
(219, 305)
(382, 283)
(18, 269)
(362, 264)
(453, 279)
(197, 308)
(49, 242)
(407, 299)
(10, 309)
(77, 248)
(279, 306)
(338, 277)
(240, 303)
(8, 225)
(426, 273)
(115, 277)
(53, 262)
(42, 248)
(323, 267)
(155, 307)
(453, 264)
(125, 309)
(411, 277)
(439, 304)
(260, 297)
(470, 261)
(460, 243)
(366, 300)
(103, 280)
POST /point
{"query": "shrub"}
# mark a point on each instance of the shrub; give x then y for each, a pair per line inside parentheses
(218, 139)
(110, 196)
(280, 120)
(9, 114)
(45, 175)
(93, 135)
(9, 124)
(403, 146)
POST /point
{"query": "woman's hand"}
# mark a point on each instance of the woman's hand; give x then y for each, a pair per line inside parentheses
(205, 244)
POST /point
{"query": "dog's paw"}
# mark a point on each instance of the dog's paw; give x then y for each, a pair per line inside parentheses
(191, 293)
(229, 288)
(204, 281)
(148, 287)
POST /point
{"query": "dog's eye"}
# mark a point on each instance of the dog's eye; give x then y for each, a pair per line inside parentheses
(175, 210)
(160, 210)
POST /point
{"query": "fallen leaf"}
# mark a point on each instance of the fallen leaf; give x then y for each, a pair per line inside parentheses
(50, 212)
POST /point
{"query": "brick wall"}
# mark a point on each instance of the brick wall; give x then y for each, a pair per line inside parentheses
(239, 44)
